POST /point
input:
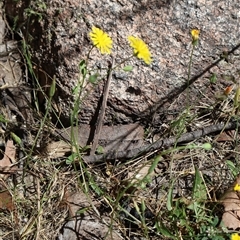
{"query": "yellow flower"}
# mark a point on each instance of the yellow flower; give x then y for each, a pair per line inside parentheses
(236, 188)
(235, 236)
(140, 49)
(195, 34)
(101, 40)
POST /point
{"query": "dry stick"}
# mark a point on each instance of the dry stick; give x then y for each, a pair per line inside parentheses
(39, 209)
(159, 144)
(102, 111)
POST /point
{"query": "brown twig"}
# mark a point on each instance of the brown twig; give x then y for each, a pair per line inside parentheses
(159, 144)
(102, 111)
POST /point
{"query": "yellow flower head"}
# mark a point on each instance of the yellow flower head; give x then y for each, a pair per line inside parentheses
(195, 34)
(140, 49)
(101, 40)
(235, 236)
(237, 188)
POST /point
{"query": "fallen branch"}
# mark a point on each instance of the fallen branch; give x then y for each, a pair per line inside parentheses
(102, 111)
(159, 144)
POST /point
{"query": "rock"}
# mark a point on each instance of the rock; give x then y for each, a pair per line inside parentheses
(85, 225)
(87, 229)
(60, 40)
(2, 24)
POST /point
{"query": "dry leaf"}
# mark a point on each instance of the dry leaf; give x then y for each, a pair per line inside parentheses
(6, 202)
(74, 201)
(118, 138)
(6, 164)
(226, 136)
(138, 174)
(139, 177)
(58, 149)
(9, 155)
(231, 203)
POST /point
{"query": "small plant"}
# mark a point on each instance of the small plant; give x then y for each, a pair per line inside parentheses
(104, 43)
(190, 218)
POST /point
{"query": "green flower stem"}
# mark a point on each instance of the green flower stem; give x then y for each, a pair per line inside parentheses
(184, 117)
(88, 55)
(125, 60)
(189, 73)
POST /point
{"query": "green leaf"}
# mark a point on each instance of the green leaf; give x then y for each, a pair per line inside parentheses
(93, 78)
(199, 193)
(215, 221)
(143, 206)
(218, 238)
(71, 158)
(82, 210)
(3, 119)
(232, 167)
(16, 138)
(164, 230)
(53, 87)
(83, 67)
(76, 90)
(169, 198)
(86, 148)
(82, 64)
(95, 187)
(191, 146)
(100, 150)
(206, 146)
(213, 78)
(128, 68)
(154, 164)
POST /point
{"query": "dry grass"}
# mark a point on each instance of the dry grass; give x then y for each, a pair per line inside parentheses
(117, 192)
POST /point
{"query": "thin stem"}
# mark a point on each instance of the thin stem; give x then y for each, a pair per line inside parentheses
(189, 74)
(119, 64)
